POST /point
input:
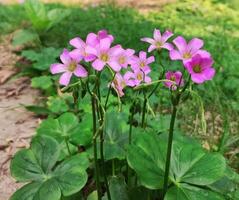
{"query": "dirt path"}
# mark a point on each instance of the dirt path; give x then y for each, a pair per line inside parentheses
(16, 124)
(141, 5)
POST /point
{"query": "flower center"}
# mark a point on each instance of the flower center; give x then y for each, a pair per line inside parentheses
(139, 77)
(72, 66)
(197, 69)
(121, 60)
(187, 55)
(173, 78)
(142, 64)
(158, 44)
(104, 57)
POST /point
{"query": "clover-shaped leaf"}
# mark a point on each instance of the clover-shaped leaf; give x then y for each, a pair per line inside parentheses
(37, 165)
(67, 126)
(115, 137)
(188, 163)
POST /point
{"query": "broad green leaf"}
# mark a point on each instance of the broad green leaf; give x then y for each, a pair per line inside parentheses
(147, 157)
(38, 110)
(82, 134)
(189, 163)
(187, 192)
(24, 36)
(27, 192)
(31, 164)
(56, 15)
(118, 189)
(36, 13)
(57, 104)
(115, 138)
(42, 82)
(49, 182)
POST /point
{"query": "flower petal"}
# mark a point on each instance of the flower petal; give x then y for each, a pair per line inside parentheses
(166, 36)
(80, 71)
(115, 66)
(91, 39)
(98, 64)
(57, 68)
(91, 50)
(65, 57)
(149, 40)
(65, 78)
(180, 43)
(105, 44)
(77, 42)
(209, 73)
(76, 55)
(150, 59)
(147, 79)
(142, 55)
(194, 45)
(151, 48)
(168, 46)
(175, 55)
(197, 78)
(157, 34)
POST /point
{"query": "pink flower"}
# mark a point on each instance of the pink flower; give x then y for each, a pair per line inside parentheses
(186, 51)
(159, 41)
(142, 62)
(122, 57)
(69, 67)
(104, 55)
(91, 40)
(102, 34)
(137, 77)
(80, 46)
(120, 82)
(175, 77)
(200, 68)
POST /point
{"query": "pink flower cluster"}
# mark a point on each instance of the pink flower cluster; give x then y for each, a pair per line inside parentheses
(98, 50)
(196, 61)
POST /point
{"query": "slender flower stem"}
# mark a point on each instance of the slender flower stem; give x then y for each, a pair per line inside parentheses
(101, 133)
(169, 149)
(67, 145)
(144, 111)
(108, 93)
(93, 104)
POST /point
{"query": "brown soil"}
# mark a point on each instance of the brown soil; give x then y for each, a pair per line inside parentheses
(16, 124)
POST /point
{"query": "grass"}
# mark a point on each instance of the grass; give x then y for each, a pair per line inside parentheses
(216, 22)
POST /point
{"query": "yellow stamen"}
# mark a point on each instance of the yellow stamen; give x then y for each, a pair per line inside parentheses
(187, 55)
(104, 57)
(72, 66)
(197, 69)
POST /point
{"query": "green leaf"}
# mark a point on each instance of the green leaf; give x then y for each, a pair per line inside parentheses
(57, 104)
(187, 192)
(36, 13)
(38, 110)
(118, 189)
(82, 134)
(189, 163)
(27, 192)
(115, 138)
(49, 182)
(147, 158)
(65, 127)
(24, 36)
(42, 82)
(56, 15)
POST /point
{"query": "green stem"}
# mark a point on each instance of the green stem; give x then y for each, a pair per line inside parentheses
(102, 120)
(169, 149)
(113, 167)
(144, 111)
(93, 104)
(108, 93)
(67, 145)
